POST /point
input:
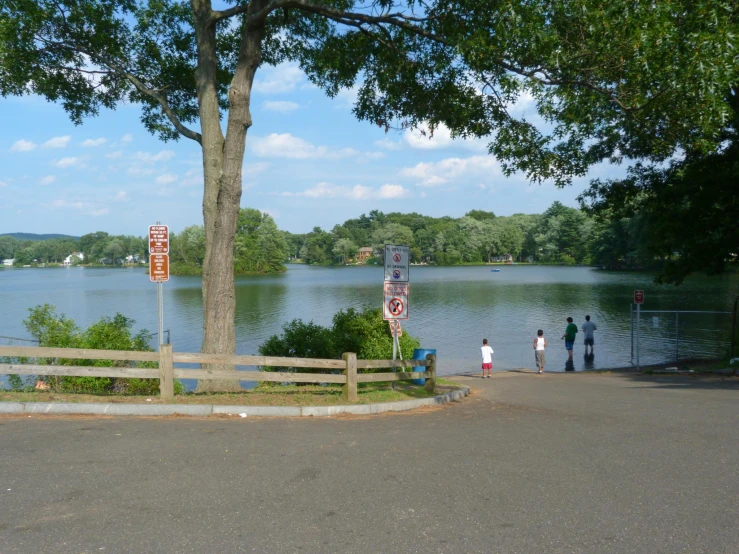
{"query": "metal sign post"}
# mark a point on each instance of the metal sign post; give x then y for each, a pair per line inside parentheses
(395, 302)
(159, 268)
(638, 300)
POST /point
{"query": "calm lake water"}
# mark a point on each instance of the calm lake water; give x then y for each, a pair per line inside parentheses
(451, 308)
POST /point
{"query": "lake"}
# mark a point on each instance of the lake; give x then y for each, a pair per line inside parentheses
(451, 308)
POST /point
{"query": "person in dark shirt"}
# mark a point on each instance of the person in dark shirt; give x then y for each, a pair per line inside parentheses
(569, 336)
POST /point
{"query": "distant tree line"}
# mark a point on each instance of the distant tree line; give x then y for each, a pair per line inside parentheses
(260, 247)
(98, 248)
(560, 235)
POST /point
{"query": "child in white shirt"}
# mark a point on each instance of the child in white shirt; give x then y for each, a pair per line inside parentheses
(487, 359)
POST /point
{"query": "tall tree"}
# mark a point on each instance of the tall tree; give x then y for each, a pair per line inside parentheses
(623, 78)
(690, 208)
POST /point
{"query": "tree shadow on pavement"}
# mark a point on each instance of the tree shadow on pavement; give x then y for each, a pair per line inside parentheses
(685, 380)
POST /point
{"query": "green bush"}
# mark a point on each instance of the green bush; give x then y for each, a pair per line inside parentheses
(114, 333)
(363, 332)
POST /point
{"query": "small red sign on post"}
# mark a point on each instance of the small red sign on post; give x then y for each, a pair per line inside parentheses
(396, 324)
(638, 297)
(158, 239)
(159, 268)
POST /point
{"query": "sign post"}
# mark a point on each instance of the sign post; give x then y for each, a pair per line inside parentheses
(638, 300)
(159, 267)
(395, 303)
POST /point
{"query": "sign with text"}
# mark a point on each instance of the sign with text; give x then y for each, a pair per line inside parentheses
(395, 329)
(158, 268)
(158, 239)
(395, 302)
(638, 297)
(397, 262)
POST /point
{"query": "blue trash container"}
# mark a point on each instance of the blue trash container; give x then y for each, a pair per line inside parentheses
(420, 354)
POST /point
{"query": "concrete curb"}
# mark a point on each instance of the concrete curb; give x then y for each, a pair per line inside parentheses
(211, 409)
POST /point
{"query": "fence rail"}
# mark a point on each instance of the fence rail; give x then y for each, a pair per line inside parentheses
(166, 373)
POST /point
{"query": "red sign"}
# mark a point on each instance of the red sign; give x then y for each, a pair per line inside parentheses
(158, 268)
(158, 239)
(396, 324)
(638, 297)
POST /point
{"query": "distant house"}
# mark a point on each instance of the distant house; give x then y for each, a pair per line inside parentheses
(9, 261)
(364, 253)
(69, 260)
(131, 259)
(505, 258)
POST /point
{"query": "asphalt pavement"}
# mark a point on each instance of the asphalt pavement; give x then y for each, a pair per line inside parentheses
(576, 463)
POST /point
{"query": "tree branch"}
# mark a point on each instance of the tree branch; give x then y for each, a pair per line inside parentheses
(224, 14)
(135, 81)
(184, 131)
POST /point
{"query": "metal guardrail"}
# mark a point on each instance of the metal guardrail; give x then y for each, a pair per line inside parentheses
(166, 372)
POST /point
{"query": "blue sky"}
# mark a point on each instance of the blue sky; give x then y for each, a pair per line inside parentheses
(308, 163)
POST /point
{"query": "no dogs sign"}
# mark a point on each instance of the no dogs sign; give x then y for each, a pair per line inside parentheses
(395, 304)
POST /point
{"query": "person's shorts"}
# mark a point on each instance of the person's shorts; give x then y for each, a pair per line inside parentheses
(589, 342)
(569, 344)
(541, 358)
(487, 366)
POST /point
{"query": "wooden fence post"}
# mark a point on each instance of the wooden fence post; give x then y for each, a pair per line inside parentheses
(350, 387)
(166, 372)
(431, 381)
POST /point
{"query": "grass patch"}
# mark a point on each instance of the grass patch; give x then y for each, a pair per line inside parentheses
(264, 395)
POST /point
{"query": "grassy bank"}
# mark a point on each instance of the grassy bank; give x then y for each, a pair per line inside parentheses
(269, 395)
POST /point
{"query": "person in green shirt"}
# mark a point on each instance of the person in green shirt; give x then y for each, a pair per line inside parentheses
(569, 336)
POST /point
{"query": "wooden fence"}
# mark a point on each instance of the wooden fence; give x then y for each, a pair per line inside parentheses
(167, 372)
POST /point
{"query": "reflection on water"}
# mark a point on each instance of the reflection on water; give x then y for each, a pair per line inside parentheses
(451, 309)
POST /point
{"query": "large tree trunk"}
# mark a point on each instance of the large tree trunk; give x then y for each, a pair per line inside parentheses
(222, 161)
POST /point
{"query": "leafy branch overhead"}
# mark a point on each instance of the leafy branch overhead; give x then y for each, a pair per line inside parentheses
(602, 80)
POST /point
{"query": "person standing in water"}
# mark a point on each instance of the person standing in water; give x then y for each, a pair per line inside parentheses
(569, 336)
(540, 344)
(587, 328)
(487, 359)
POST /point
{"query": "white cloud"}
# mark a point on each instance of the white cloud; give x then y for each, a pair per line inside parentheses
(280, 79)
(162, 156)
(288, 146)
(125, 139)
(374, 155)
(137, 171)
(422, 138)
(166, 179)
(58, 142)
(23, 146)
(3, 184)
(121, 197)
(347, 97)
(88, 208)
(47, 180)
(68, 162)
(281, 106)
(439, 173)
(115, 155)
(393, 191)
(388, 144)
(94, 142)
(425, 139)
(357, 192)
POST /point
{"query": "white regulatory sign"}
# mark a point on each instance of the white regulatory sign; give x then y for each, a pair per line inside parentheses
(395, 301)
(396, 263)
